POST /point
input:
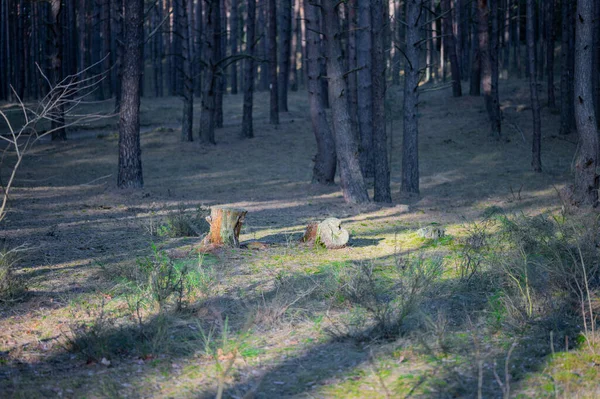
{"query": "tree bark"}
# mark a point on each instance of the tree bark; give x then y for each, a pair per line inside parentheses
(56, 8)
(233, 44)
(495, 113)
(198, 55)
(272, 26)
(410, 144)
(451, 44)
(225, 226)
(381, 169)
(365, 85)
(221, 53)
(285, 33)
(567, 113)
(596, 62)
(296, 47)
(325, 159)
(550, 39)
(475, 87)
(130, 152)
(247, 124)
(211, 41)
(585, 190)
(353, 185)
(536, 162)
(188, 81)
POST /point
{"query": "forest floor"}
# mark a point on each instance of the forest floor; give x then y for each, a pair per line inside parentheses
(260, 324)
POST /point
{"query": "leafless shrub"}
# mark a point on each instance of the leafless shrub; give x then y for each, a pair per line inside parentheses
(59, 105)
(380, 305)
(12, 286)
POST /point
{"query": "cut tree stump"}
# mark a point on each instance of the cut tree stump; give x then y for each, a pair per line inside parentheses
(225, 225)
(328, 233)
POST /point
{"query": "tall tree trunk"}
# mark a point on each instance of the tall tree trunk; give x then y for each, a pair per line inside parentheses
(351, 78)
(296, 40)
(353, 185)
(410, 143)
(451, 44)
(81, 16)
(536, 162)
(274, 106)
(285, 33)
(365, 85)
(56, 9)
(198, 55)
(188, 81)
(325, 159)
(106, 53)
(247, 124)
(596, 62)
(118, 38)
(233, 43)
(210, 51)
(484, 50)
(585, 190)
(475, 87)
(567, 114)
(550, 38)
(495, 114)
(381, 169)
(398, 27)
(130, 152)
(221, 54)
(263, 16)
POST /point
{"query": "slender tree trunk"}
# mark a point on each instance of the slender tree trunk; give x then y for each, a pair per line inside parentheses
(381, 169)
(353, 185)
(233, 44)
(410, 143)
(325, 159)
(507, 32)
(495, 114)
(285, 33)
(221, 54)
(56, 9)
(295, 46)
(210, 51)
(263, 16)
(130, 152)
(475, 88)
(118, 37)
(585, 190)
(541, 39)
(484, 50)
(198, 55)
(550, 38)
(396, 59)
(247, 124)
(106, 54)
(535, 102)
(566, 104)
(351, 78)
(451, 44)
(365, 85)
(596, 62)
(188, 81)
(274, 109)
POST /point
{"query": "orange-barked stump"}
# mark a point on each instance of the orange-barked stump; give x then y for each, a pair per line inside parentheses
(225, 226)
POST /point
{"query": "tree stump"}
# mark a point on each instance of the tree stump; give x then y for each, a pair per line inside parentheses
(329, 233)
(225, 225)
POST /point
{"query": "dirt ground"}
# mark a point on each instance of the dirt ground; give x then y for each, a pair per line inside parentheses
(75, 224)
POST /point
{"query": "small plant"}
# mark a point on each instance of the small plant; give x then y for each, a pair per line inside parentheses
(183, 223)
(166, 279)
(12, 286)
(473, 252)
(388, 301)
